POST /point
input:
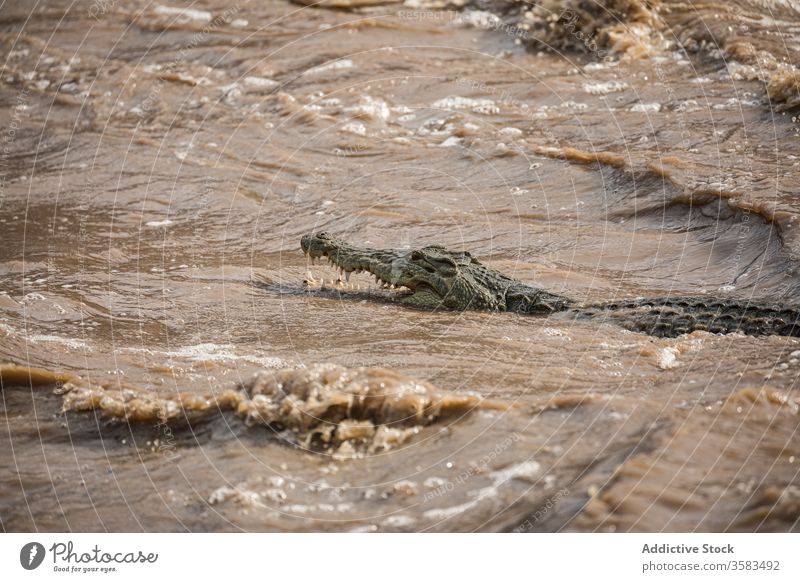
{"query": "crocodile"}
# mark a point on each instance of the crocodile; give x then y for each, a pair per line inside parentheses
(433, 277)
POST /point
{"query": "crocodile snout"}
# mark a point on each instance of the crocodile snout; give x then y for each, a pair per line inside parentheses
(305, 242)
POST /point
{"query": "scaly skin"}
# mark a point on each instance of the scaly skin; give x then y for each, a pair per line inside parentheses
(673, 316)
(436, 277)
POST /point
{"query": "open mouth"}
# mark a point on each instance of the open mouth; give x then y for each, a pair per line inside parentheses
(344, 272)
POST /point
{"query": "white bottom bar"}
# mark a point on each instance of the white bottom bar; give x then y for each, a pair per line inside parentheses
(400, 557)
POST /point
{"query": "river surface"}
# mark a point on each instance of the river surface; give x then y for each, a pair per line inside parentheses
(160, 162)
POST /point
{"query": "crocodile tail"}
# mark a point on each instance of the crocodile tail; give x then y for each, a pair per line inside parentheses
(671, 317)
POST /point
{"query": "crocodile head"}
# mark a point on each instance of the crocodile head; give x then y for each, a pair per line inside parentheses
(434, 276)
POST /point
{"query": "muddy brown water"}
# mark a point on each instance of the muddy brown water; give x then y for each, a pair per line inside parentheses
(159, 166)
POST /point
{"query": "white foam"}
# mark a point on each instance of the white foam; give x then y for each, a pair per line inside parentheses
(447, 512)
(334, 66)
(553, 331)
(260, 82)
(159, 223)
(605, 88)
(32, 297)
(436, 127)
(646, 107)
(741, 72)
(598, 66)
(526, 470)
(485, 106)
(185, 13)
(210, 352)
(479, 19)
(399, 521)
(238, 495)
(688, 106)
(450, 142)
(373, 108)
(668, 358)
(510, 132)
(355, 127)
(64, 341)
(231, 91)
(433, 482)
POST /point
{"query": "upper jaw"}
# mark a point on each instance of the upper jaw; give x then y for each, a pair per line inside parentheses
(348, 259)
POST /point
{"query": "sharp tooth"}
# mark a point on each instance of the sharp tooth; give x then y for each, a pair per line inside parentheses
(347, 276)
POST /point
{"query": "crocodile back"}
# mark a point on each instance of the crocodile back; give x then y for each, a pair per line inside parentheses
(673, 316)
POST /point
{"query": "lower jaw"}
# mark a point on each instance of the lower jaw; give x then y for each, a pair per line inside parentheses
(341, 284)
(343, 274)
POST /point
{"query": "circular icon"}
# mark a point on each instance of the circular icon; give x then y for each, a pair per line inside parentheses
(31, 555)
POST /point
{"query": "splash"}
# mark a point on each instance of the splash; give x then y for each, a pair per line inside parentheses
(347, 411)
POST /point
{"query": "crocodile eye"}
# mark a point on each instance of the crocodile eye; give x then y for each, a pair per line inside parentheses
(416, 256)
